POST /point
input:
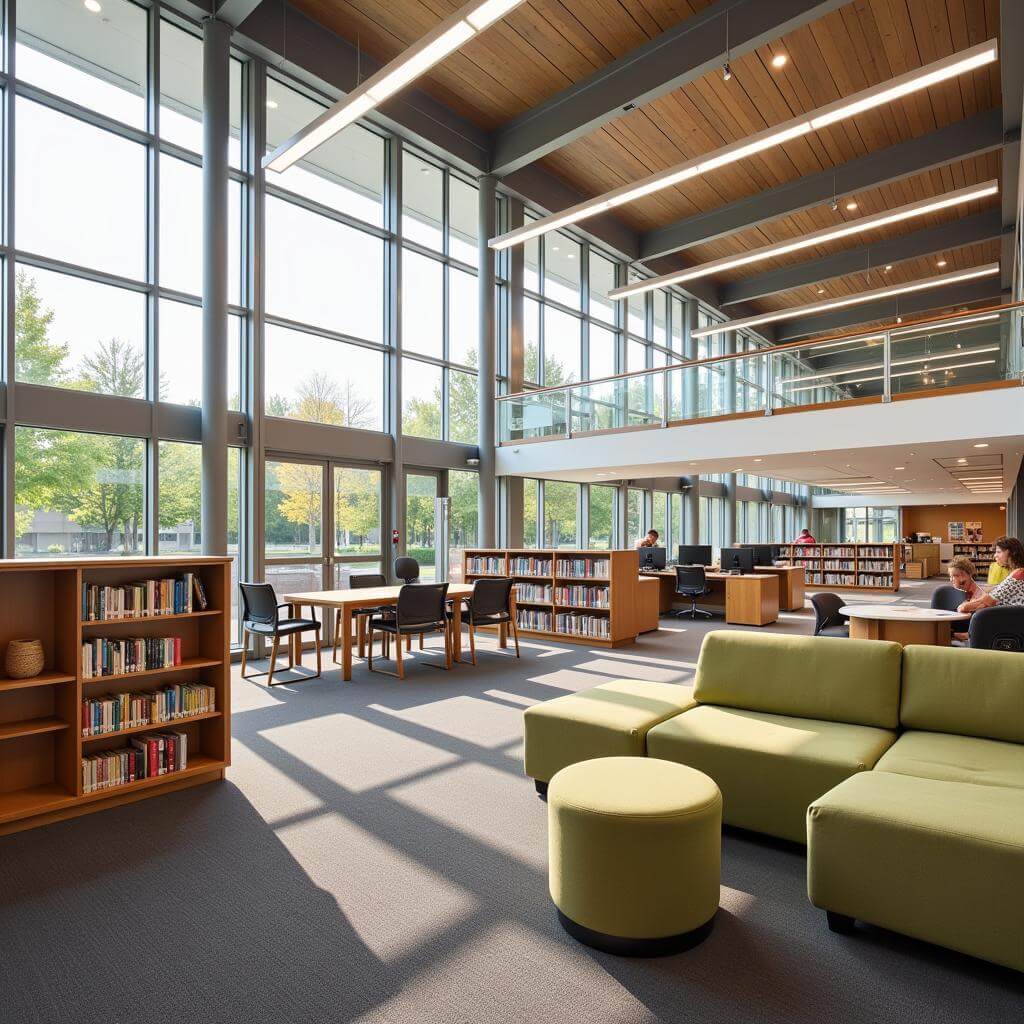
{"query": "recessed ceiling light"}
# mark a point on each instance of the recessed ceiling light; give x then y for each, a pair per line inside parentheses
(852, 205)
(888, 267)
(759, 460)
(961, 461)
(940, 263)
(821, 291)
(981, 444)
(271, 104)
(93, 5)
(899, 467)
(779, 60)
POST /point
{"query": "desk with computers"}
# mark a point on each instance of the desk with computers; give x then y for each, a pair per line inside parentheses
(747, 583)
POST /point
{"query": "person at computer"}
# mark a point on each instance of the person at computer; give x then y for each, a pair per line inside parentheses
(805, 537)
(650, 541)
(1010, 555)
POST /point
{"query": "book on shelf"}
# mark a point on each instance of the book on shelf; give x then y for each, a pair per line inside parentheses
(540, 592)
(574, 624)
(485, 565)
(143, 599)
(582, 596)
(106, 656)
(117, 711)
(523, 565)
(145, 757)
(583, 568)
(874, 580)
(533, 620)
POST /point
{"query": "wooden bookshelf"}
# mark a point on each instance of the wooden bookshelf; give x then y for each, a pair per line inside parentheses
(41, 742)
(982, 555)
(545, 606)
(847, 566)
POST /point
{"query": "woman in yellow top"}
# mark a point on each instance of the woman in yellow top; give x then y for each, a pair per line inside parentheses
(997, 573)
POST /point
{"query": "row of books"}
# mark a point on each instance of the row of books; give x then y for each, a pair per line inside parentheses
(837, 563)
(880, 564)
(837, 579)
(885, 551)
(534, 619)
(572, 624)
(103, 656)
(874, 580)
(117, 711)
(143, 599)
(582, 568)
(534, 592)
(526, 566)
(146, 756)
(489, 565)
(582, 597)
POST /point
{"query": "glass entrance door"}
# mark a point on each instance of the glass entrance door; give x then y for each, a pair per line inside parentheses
(424, 523)
(294, 560)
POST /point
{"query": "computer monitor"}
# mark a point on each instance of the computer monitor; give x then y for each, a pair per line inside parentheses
(694, 554)
(764, 554)
(738, 558)
(652, 558)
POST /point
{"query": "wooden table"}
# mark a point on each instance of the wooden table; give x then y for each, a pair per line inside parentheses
(749, 600)
(906, 624)
(792, 580)
(369, 597)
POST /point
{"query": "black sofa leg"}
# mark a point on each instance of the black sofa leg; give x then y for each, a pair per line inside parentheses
(542, 787)
(839, 923)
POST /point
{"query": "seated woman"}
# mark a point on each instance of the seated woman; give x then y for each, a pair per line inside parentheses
(961, 575)
(1010, 555)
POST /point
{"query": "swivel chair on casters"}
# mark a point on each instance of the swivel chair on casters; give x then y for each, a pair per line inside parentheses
(691, 583)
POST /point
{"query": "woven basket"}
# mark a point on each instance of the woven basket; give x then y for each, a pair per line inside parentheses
(24, 659)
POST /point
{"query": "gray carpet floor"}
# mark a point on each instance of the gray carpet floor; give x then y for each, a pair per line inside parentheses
(376, 855)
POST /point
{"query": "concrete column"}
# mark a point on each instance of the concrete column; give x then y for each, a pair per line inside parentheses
(396, 469)
(691, 377)
(622, 518)
(486, 363)
(691, 511)
(513, 489)
(729, 530)
(216, 131)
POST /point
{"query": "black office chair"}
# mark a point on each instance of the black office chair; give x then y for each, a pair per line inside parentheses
(948, 598)
(407, 569)
(828, 620)
(997, 629)
(421, 608)
(691, 583)
(360, 581)
(261, 617)
(489, 605)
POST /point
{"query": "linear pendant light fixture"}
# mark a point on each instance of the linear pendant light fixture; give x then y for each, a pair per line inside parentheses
(885, 92)
(953, 353)
(853, 300)
(918, 209)
(446, 38)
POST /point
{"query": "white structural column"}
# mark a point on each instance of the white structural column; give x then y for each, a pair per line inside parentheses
(691, 512)
(486, 363)
(216, 129)
(691, 377)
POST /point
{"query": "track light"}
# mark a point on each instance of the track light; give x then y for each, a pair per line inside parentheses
(726, 72)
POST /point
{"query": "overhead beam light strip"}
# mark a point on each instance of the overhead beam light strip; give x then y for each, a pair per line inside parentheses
(885, 92)
(955, 277)
(446, 38)
(918, 209)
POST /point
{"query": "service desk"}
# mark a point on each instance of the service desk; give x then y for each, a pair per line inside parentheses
(748, 600)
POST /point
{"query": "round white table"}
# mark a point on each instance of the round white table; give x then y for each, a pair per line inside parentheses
(904, 623)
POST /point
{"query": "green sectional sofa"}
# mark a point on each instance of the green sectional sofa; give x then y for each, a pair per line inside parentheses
(783, 720)
(931, 843)
(901, 768)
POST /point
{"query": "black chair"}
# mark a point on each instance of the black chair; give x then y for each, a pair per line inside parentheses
(360, 581)
(997, 629)
(828, 620)
(407, 569)
(691, 583)
(948, 598)
(421, 608)
(261, 617)
(489, 605)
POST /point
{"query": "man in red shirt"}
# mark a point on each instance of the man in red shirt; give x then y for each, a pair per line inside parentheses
(805, 537)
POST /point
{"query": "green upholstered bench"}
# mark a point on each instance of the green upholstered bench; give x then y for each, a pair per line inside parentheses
(634, 854)
(608, 720)
(931, 843)
(780, 720)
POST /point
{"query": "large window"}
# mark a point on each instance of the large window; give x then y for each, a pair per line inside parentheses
(463, 518)
(602, 516)
(78, 493)
(561, 514)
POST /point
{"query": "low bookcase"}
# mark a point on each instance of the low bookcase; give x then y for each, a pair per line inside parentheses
(579, 596)
(847, 566)
(982, 555)
(41, 741)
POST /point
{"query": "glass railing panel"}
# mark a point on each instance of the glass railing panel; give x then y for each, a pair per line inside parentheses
(643, 399)
(530, 415)
(830, 371)
(969, 350)
(599, 406)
